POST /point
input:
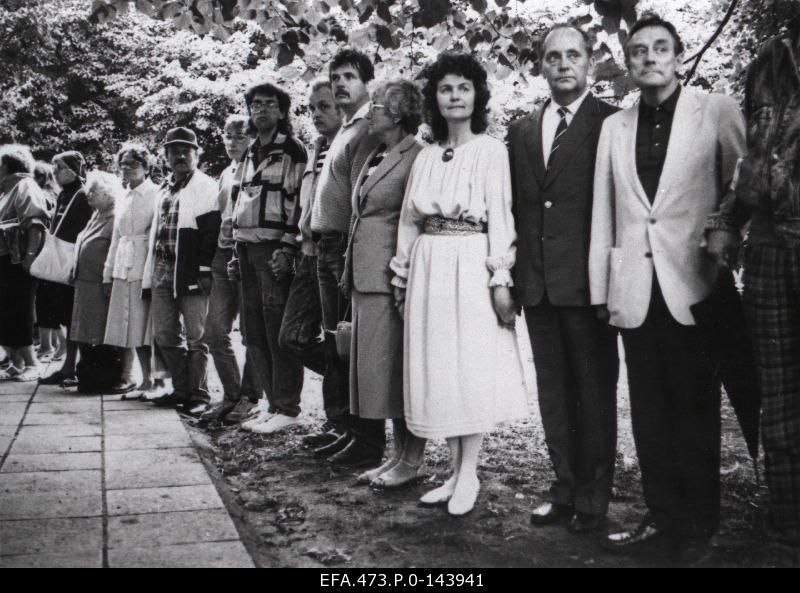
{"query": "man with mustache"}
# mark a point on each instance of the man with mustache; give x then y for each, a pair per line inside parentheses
(552, 155)
(177, 274)
(662, 168)
(349, 441)
(266, 211)
(302, 319)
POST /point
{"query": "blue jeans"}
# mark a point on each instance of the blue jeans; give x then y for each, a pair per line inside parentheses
(181, 344)
(223, 308)
(263, 306)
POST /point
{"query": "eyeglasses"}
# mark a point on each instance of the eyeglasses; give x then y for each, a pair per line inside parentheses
(374, 106)
(130, 164)
(263, 106)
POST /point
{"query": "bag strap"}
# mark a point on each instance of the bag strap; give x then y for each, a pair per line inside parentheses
(66, 211)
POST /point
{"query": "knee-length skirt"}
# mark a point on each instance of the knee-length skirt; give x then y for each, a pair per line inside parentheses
(376, 357)
(463, 371)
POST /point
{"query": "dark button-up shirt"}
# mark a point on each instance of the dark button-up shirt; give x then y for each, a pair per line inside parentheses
(652, 140)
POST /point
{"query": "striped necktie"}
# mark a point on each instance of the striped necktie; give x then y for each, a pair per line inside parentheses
(562, 127)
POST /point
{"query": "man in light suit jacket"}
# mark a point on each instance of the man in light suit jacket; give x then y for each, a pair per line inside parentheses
(662, 168)
(552, 155)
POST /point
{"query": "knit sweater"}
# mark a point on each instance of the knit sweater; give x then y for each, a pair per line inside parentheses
(332, 207)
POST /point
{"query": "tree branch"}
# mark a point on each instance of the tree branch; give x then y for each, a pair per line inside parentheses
(698, 57)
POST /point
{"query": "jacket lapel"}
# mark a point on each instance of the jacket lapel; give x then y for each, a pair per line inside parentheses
(630, 122)
(389, 162)
(532, 138)
(577, 132)
(685, 126)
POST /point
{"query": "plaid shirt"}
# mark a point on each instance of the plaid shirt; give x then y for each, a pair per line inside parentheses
(167, 237)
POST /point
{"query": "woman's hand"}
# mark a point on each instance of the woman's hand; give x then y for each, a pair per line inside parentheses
(504, 306)
(400, 300)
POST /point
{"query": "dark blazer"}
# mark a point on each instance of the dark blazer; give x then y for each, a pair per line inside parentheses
(376, 215)
(553, 207)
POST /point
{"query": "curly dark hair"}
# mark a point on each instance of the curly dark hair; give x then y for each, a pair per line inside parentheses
(284, 104)
(356, 59)
(462, 65)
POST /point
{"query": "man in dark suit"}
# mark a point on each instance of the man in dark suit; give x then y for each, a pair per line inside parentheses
(552, 155)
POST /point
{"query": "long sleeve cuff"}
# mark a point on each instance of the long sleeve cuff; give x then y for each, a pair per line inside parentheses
(399, 268)
(500, 267)
(399, 282)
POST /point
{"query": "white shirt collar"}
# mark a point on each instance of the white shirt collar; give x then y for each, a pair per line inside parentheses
(360, 114)
(574, 106)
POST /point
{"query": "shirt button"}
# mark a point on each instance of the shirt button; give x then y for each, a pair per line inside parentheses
(548, 204)
(656, 144)
(648, 254)
(652, 221)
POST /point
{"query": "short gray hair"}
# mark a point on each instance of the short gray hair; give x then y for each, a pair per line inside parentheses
(402, 100)
(17, 158)
(106, 183)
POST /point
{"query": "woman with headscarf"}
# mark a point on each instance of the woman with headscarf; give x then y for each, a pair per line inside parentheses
(100, 365)
(23, 217)
(455, 251)
(54, 304)
(128, 325)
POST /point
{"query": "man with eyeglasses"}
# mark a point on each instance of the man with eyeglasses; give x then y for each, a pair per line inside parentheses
(265, 205)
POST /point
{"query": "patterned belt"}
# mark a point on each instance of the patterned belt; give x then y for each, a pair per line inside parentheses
(438, 225)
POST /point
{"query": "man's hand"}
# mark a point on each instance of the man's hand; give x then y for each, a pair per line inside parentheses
(344, 285)
(107, 286)
(400, 300)
(504, 306)
(602, 314)
(723, 247)
(234, 271)
(27, 262)
(281, 265)
(205, 281)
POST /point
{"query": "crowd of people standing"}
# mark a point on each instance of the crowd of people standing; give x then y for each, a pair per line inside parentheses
(397, 271)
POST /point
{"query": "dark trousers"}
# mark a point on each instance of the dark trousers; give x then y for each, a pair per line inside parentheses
(675, 410)
(577, 367)
(330, 266)
(264, 302)
(302, 318)
(772, 306)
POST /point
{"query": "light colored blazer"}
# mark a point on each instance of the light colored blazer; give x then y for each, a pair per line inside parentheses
(376, 214)
(631, 238)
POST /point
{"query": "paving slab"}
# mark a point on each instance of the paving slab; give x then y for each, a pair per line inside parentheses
(159, 529)
(11, 413)
(157, 440)
(64, 407)
(142, 422)
(14, 388)
(7, 431)
(29, 443)
(59, 395)
(42, 462)
(85, 560)
(68, 429)
(5, 441)
(153, 468)
(33, 482)
(162, 500)
(15, 397)
(54, 536)
(127, 405)
(205, 555)
(42, 505)
(49, 419)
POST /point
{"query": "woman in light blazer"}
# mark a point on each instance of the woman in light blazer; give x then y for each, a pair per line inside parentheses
(376, 355)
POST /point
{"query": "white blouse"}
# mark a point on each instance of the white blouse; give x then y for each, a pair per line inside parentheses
(475, 186)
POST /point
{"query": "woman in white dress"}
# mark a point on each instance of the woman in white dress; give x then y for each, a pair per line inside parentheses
(128, 324)
(462, 373)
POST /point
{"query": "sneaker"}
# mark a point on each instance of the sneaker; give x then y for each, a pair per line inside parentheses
(275, 424)
(29, 374)
(263, 417)
(10, 374)
(193, 409)
(241, 411)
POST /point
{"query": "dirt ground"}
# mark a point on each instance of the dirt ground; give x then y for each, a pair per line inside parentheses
(293, 511)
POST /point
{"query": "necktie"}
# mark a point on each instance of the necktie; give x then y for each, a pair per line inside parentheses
(562, 127)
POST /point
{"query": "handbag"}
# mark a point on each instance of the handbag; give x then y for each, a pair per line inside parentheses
(55, 260)
(344, 338)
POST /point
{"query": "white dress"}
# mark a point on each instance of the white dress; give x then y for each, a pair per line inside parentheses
(463, 372)
(128, 323)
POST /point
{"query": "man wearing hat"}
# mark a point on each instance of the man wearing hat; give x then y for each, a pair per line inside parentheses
(177, 275)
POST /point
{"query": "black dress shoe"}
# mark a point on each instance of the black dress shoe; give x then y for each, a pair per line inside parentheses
(333, 448)
(320, 439)
(550, 513)
(55, 378)
(356, 455)
(629, 541)
(585, 523)
(169, 400)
